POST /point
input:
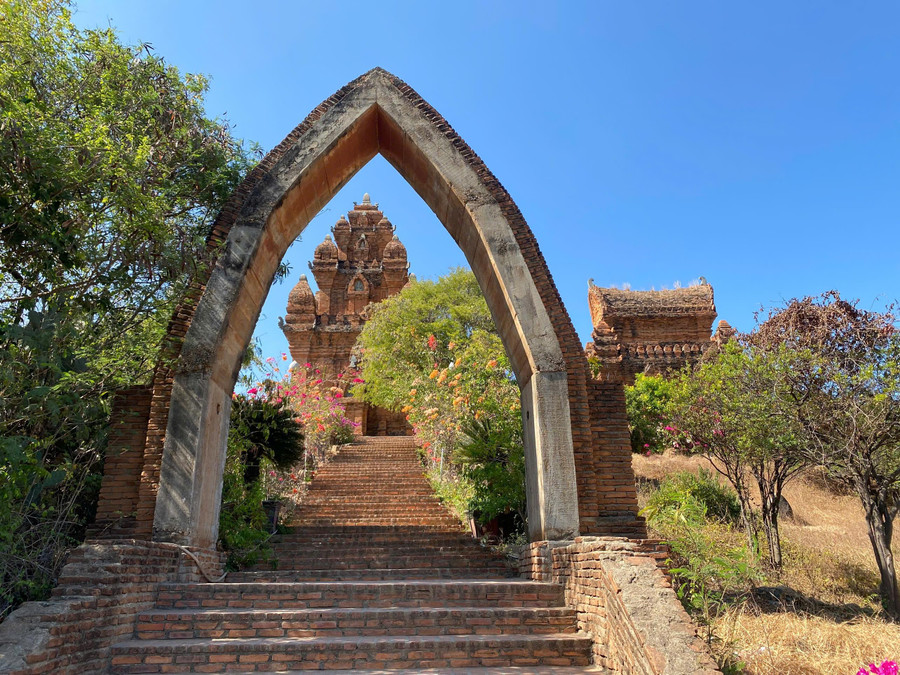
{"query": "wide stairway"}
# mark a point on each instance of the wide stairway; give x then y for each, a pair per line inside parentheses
(373, 574)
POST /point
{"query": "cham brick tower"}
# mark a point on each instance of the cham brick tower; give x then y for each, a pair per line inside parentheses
(365, 263)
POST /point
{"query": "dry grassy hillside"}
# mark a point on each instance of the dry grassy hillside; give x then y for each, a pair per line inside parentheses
(821, 614)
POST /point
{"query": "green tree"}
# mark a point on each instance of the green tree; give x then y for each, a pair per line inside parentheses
(110, 176)
(432, 351)
(843, 378)
(427, 324)
(734, 409)
(646, 402)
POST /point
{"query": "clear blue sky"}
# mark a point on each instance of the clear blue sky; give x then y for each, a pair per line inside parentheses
(756, 144)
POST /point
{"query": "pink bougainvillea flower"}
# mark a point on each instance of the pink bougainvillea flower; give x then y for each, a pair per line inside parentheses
(358, 380)
(321, 427)
(252, 391)
(307, 365)
(318, 382)
(339, 394)
(340, 375)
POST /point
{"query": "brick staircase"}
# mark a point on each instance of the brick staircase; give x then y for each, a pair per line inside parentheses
(373, 574)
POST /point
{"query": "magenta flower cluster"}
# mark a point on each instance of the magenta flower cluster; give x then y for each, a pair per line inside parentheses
(886, 668)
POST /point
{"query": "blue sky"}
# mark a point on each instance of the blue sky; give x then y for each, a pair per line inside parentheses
(648, 143)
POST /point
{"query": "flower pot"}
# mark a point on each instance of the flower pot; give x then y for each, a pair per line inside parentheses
(272, 508)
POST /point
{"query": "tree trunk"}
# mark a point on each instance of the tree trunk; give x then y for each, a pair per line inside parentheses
(773, 538)
(749, 524)
(880, 526)
(770, 496)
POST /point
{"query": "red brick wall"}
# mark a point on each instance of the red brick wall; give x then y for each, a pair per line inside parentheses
(117, 505)
(101, 591)
(623, 598)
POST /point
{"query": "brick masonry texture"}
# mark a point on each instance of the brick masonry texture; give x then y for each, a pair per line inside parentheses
(651, 331)
(623, 598)
(372, 573)
(101, 591)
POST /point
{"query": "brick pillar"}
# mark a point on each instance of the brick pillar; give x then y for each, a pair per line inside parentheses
(118, 500)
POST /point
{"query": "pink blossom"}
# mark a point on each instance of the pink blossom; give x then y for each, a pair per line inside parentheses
(252, 391)
(338, 394)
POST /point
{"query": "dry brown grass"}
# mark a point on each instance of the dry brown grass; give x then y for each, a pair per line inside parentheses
(802, 644)
(829, 621)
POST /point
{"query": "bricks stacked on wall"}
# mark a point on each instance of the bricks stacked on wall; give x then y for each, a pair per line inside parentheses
(373, 574)
(102, 589)
(117, 504)
(623, 598)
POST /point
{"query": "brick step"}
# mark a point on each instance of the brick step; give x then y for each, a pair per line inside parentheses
(509, 670)
(443, 542)
(399, 534)
(356, 496)
(383, 574)
(357, 562)
(290, 623)
(310, 595)
(369, 554)
(350, 522)
(376, 509)
(359, 653)
(362, 517)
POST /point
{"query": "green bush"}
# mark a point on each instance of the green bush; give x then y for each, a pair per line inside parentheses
(646, 401)
(264, 429)
(242, 520)
(492, 458)
(710, 565)
(693, 497)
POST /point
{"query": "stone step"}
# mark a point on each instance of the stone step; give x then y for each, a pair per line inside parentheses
(510, 670)
(311, 595)
(355, 652)
(394, 621)
(394, 559)
(382, 574)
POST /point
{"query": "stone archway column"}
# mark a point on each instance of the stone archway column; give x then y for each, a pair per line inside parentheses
(550, 466)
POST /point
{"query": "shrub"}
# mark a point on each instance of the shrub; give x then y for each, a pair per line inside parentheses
(695, 497)
(242, 520)
(645, 402)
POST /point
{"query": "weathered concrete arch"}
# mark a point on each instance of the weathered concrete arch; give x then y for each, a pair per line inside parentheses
(573, 483)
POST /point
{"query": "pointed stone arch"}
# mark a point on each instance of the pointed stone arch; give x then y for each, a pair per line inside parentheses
(577, 481)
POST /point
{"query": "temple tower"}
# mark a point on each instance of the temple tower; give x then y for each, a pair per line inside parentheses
(364, 263)
(651, 331)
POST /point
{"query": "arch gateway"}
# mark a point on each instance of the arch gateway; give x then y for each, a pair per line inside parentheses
(157, 516)
(578, 466)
